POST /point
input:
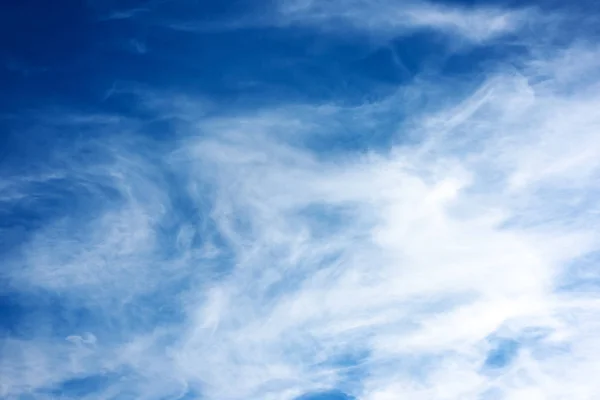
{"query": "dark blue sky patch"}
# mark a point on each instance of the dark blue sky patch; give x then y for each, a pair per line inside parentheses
(41, 34)
(37, 204)
(43, 314)
(246, 66)
(13, 312)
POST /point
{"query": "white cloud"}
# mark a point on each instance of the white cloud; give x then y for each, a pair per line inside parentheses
(392, 18)
(439, 247)
(378, 19)
(404, 261)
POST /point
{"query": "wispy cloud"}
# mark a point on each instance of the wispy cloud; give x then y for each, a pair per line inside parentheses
(125, 14)
(392, 18)
(241, 261)
(414, 258)
(382, 19)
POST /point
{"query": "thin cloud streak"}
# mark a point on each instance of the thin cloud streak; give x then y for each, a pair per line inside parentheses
(390, 18)
(380, 19)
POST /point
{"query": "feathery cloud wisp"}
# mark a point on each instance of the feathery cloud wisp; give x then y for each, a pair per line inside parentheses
(392, 18)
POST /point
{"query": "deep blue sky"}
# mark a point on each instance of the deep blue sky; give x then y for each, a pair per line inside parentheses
(74, 52)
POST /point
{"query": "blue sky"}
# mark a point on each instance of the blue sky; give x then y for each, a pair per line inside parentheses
(299, 200)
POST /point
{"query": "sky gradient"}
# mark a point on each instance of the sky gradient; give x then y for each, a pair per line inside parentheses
(299, 200)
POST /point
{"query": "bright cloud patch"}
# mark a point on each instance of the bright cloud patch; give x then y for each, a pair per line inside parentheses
(238, 255)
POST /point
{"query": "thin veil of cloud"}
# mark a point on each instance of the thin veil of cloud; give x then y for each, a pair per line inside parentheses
(393, 18)
(384, 19)
(242, 262)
